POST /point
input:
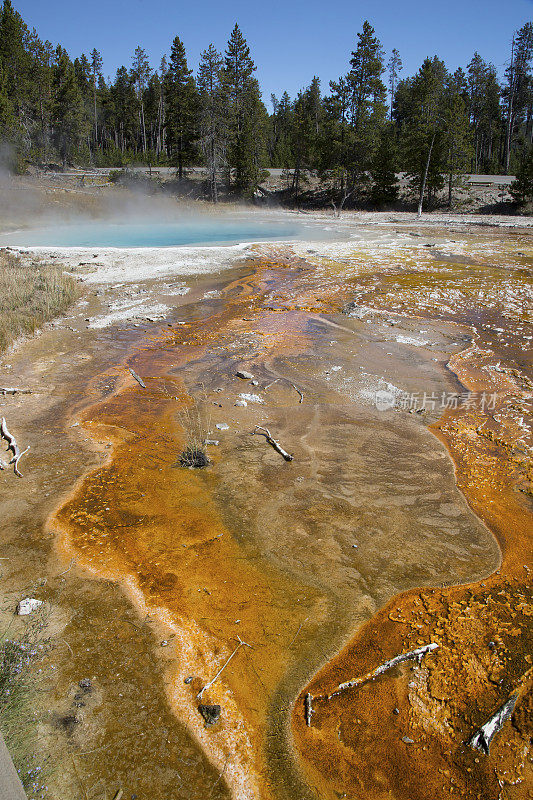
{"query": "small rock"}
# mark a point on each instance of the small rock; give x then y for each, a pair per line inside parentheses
(255, 383)
(222, 426)
(395, 710)
(251, 398)
(164, 643)
(213, 442)
(211, 714)
(407, 740)
(28, 606)
(85, 683)
(241, 403)
(246, 376)
(189, 679)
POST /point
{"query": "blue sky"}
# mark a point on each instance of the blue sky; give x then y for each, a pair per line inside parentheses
(290, 40)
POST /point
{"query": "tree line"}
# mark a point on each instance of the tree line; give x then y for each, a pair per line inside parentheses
(356, 137)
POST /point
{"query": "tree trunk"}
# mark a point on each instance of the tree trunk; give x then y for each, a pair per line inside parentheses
(95, 119)
(509, 113)
(143, 128)
(214, 191)
(424, 181)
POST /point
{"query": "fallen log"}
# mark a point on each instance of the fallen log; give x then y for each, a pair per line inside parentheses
(308, 708)
(137, 378)
(13, 446)
(483, 736)
(276, 445)
(413, 655)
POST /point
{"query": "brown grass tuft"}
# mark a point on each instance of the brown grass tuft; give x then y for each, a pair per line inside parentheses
(31, 293)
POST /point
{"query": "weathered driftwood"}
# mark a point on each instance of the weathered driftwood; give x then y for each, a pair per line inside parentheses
(137, 378)
(413, 655)
(276, 445)
(483, 736)
(13, 446)
(308, 708)
(222, 668)
(13, 390)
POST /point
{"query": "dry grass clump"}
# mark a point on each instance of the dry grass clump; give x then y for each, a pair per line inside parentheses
(196, 422)
(31, 293)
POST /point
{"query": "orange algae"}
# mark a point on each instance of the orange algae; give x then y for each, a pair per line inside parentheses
(158, 529)
(144, 521)
(406, 734)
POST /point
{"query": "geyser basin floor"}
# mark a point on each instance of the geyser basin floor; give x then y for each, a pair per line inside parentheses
(251, 546)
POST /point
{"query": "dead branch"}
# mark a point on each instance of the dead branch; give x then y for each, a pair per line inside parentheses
(221, 670)
(483, 736)
(276, 445)
(297, 632)
(73, 561)
(308, 708)
(13, 390)
(413, 655)
(13, 446)
(137, 378)
(299, 392)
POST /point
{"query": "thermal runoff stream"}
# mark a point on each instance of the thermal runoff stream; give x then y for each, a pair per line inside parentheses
(203, 619)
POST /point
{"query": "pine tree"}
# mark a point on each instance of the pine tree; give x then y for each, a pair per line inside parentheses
(246, 115)
(96, 72)
(181, 107)
(337, 132)
(212, 114)
(383, 169)
(42, 57)
(7, 118)
(280, 146)
(484, 113)
(422, 141)
(14, 56)
(522, 186)
(517, 90)
(306, 130)
(368, 96)
(124, 106)
(141, 71)
(67, 107)
(395, 66)
(456, 140)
